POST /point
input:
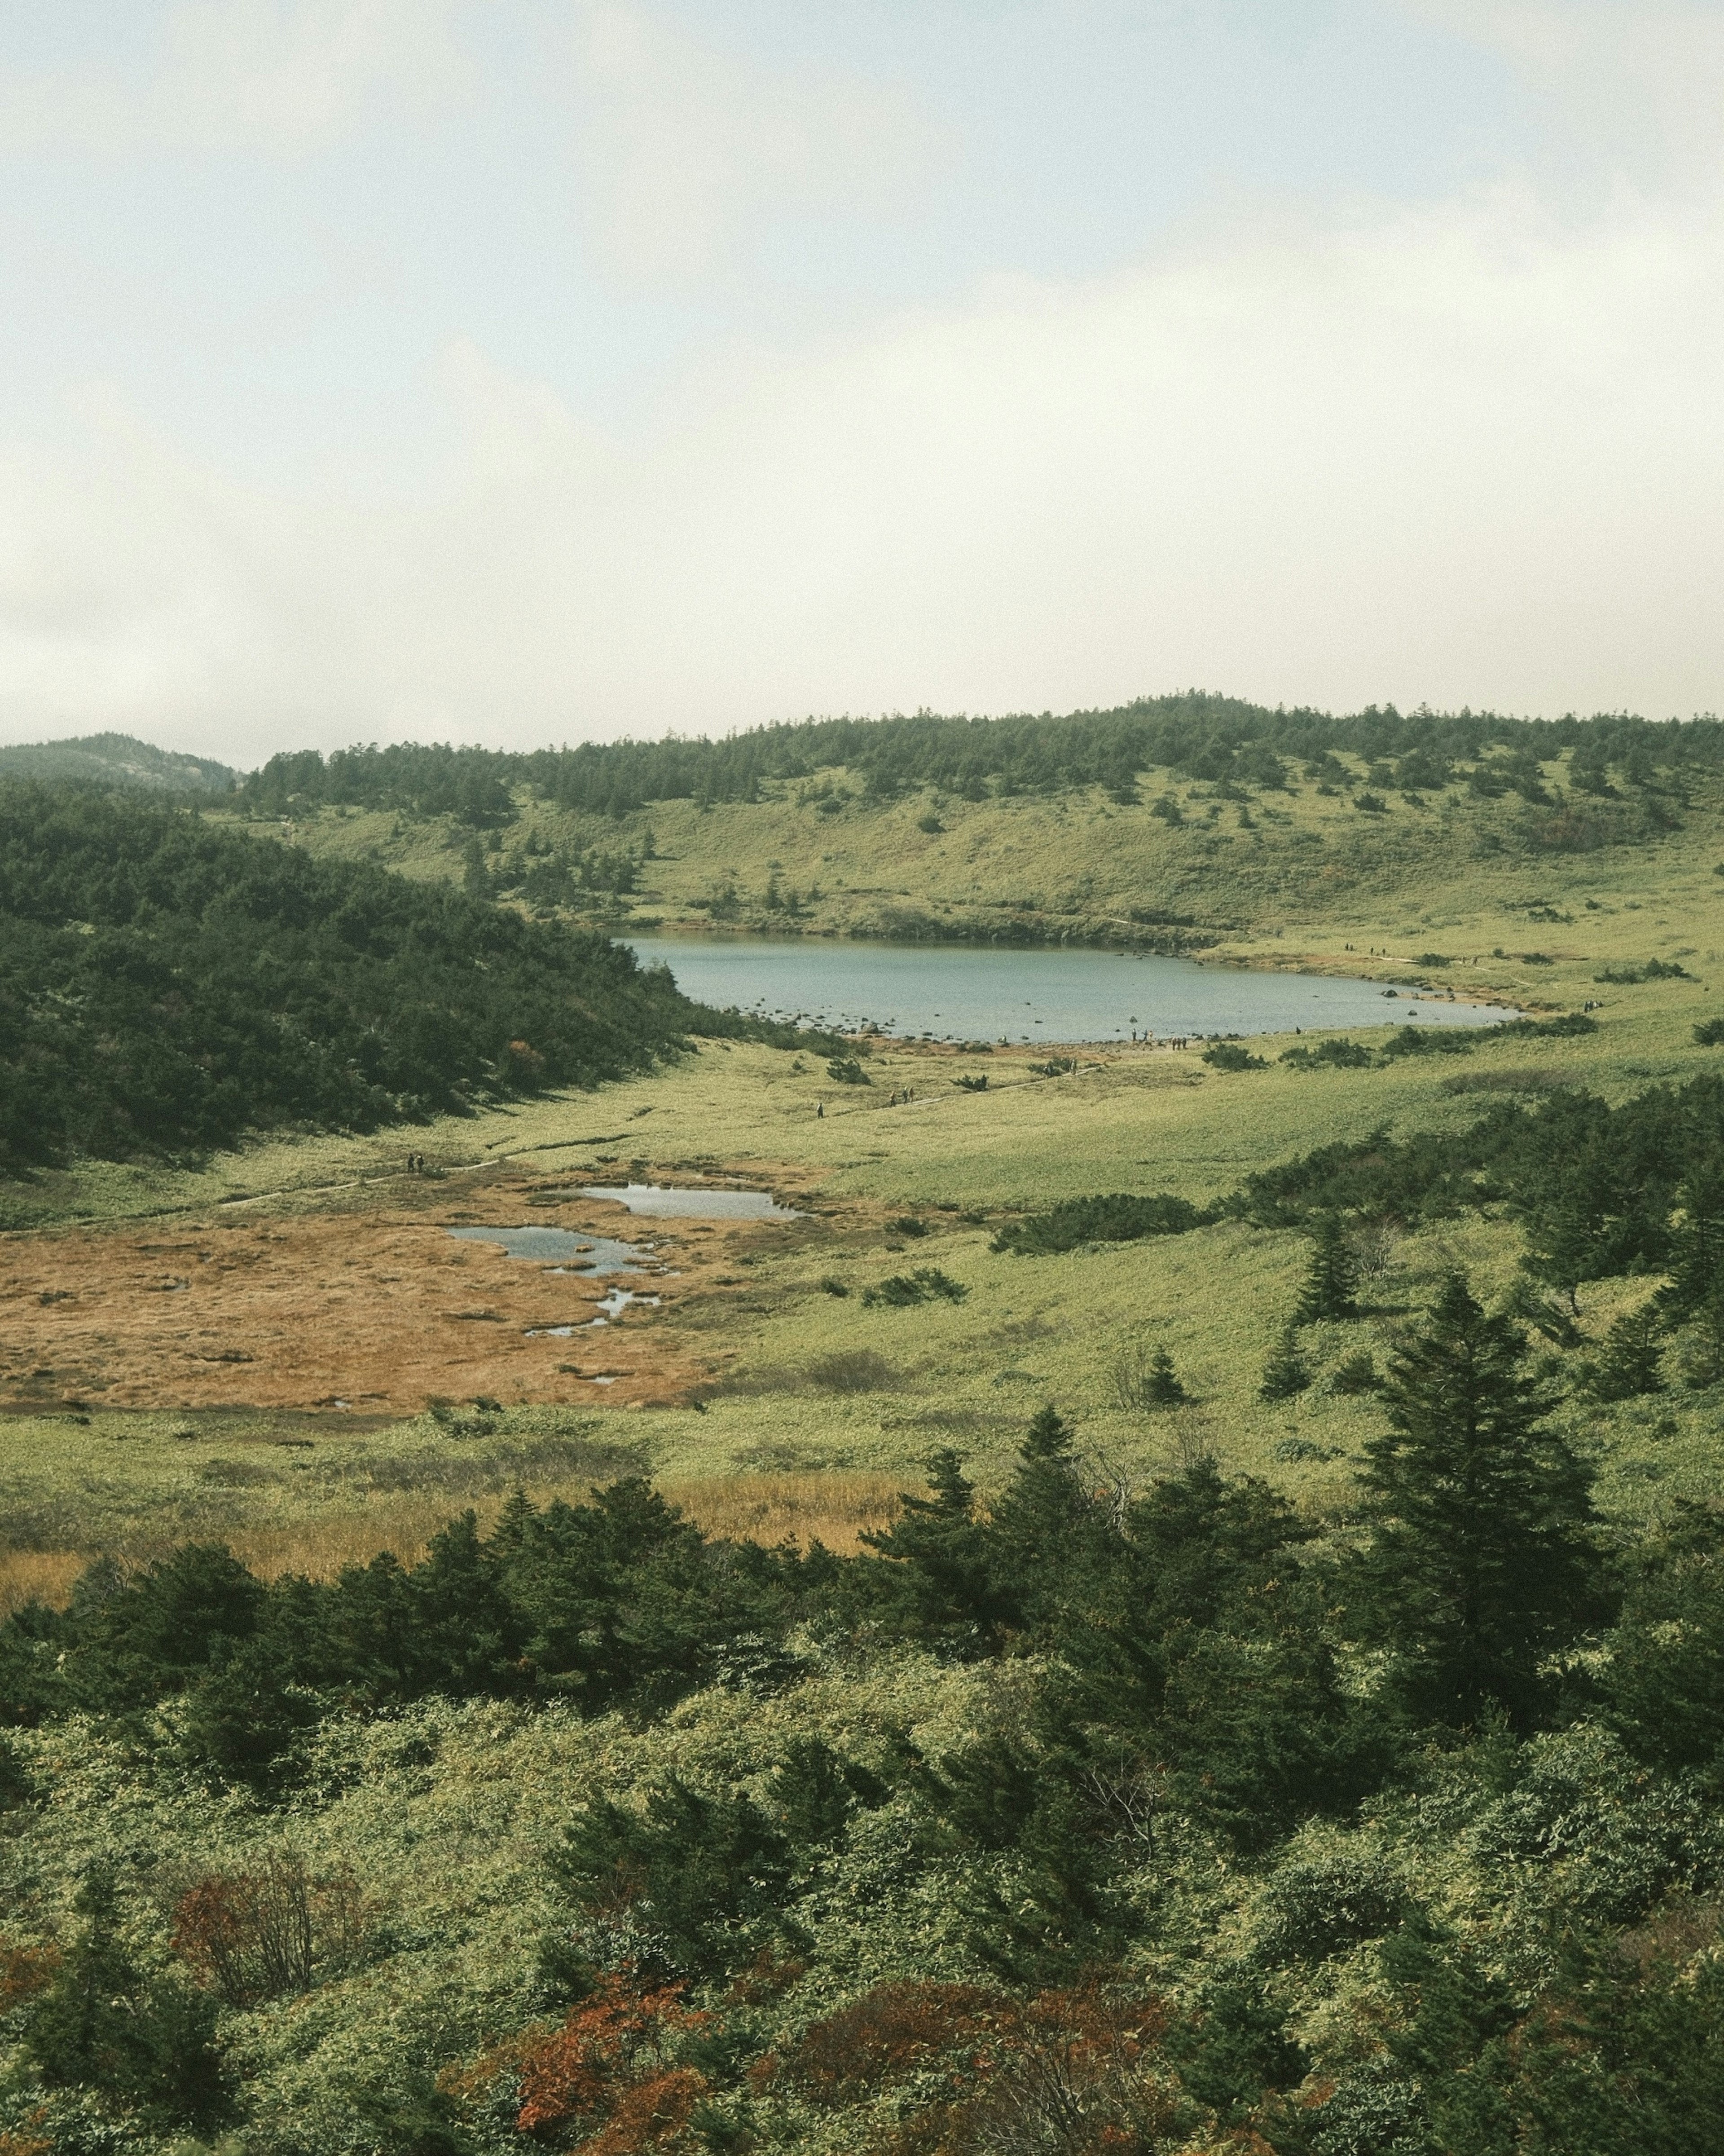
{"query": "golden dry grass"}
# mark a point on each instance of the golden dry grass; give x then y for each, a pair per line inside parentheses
(37, 1576)
(836, 1509)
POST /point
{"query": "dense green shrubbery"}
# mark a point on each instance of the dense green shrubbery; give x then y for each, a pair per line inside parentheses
(1170, 1818)
(166, 986)
(1116, 1218)
(1600, 1191)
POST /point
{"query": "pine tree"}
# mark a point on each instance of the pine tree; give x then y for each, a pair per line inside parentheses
(1331, 1284)
(1629, 1364)
(1162, 1387)
(1050, 1536)
(947, 1557)
(1482, 1560)
(1697, 1244)
(142, 2047)
(1286, 1373)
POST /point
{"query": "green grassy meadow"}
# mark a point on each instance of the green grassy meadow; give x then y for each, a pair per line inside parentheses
(1066, 1328)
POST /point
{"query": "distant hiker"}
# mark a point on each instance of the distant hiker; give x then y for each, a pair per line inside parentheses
(819, 1111)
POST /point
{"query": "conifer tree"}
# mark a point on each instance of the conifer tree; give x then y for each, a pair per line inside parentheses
(1697, 1243)
(1482, 1561)
(946, 1558)
(1628, 1366)
(1162, 1387)
(1286, 1373)
(140, 2046)
(1331, 1284)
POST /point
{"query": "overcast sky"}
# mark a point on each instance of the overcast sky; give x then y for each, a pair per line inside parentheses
(529, 370)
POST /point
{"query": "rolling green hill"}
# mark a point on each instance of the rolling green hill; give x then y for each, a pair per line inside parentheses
(117, 760)
(1406, 866)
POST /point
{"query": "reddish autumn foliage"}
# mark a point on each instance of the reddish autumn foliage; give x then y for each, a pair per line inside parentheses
(251, 1935)
(1077, 2071)
(608, 2068)
(24, 1971)
(889, 2031)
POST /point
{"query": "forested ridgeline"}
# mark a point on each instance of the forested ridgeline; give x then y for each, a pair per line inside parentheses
(1219, 740)
(1154, 1819)
(165, 986)
(119, 760)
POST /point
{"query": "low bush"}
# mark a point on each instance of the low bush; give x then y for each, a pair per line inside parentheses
(1118, 1218)
(901, 1291)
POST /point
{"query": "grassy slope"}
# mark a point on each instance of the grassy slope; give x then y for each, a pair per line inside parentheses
(1309, 876)
(1030, 1329)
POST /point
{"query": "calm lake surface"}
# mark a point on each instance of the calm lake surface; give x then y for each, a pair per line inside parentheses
(960, 991)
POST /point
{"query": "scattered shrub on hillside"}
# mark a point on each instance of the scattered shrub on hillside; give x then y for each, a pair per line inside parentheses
(1432, 1040)
(1329, 1055)
(1142, 1379)
(1330, 1285)
(854, 1370)
(263, 1933)
(1358, 1374)
(907, 1225)
(901, 1290)
(973, 1084)
(846, 1071)
(1119, 1218)
(1566, 1025)
(1654, 969)
(1710, 1032)
(1229, 1055)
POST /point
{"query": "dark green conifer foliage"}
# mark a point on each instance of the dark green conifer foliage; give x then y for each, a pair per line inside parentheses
(1332, 1283)
(1161, 1385)
(1629, 1365)
(946, 1558)
(142, 2046)
(1050, 1535)
(1286, 1373)
(1697, 1257)
(1663, 1684)
(1482, 1560)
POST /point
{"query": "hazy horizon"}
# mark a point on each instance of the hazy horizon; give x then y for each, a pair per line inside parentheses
(529, 371)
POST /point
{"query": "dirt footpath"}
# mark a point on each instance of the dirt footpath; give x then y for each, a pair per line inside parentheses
(379, 1310)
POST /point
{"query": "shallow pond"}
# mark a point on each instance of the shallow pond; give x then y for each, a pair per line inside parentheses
(563, 1247)
(965, 992)
(663, 1202)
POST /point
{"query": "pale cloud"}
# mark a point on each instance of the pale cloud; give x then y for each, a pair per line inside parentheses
(684, 150)
(1470, 451)
(1455, 455)
(1637, 87)
(280, 75)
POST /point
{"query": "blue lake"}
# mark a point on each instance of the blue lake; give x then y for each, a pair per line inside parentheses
(964, 991)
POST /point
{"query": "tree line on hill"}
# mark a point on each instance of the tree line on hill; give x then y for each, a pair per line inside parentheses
(1207, 1694)
(1220, 740)
(166, 986)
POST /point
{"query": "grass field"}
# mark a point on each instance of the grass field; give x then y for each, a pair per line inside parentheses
(769, 1402)
(796, 1411)
(1302, 875)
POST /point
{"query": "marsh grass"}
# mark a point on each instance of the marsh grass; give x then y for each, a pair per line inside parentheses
(833, 1507)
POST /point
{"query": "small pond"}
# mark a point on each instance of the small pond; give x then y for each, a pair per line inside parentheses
(969, 992)
(663, 1202)
(563, 1247)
